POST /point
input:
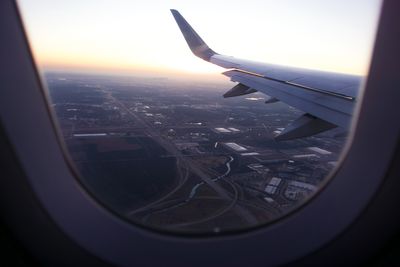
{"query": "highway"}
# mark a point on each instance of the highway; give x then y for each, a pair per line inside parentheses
(186, 162)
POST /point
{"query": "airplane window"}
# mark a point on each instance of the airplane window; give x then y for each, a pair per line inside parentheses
(166, 130)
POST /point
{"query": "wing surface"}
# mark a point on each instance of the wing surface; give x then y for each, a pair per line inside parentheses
(328, 99)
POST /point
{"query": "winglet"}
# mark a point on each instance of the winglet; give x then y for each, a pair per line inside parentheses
(196, 44)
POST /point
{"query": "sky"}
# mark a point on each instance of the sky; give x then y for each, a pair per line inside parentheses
(141, 36)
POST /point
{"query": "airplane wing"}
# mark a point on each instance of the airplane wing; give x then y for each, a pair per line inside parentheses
(327, 98)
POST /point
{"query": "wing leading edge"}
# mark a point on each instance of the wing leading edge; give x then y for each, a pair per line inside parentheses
(327, 99)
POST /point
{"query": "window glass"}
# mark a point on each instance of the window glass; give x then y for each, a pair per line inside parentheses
(147, 127)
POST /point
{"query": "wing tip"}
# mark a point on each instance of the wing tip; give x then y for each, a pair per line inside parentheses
(194, 41)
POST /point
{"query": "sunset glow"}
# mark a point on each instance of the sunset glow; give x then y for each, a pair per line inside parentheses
(142, 37)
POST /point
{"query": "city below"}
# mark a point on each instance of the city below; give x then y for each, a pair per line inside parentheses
(178, 157)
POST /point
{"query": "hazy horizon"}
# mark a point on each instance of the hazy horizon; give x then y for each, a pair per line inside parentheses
(125, 37)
